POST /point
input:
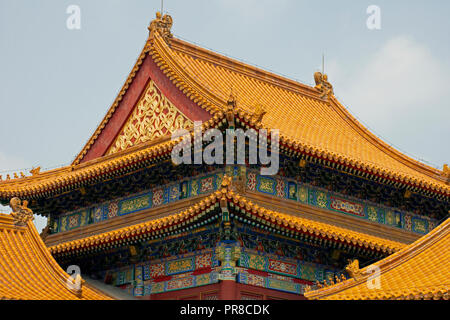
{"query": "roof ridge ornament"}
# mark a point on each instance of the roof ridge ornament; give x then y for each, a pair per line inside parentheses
(353, 269)
(322, 84)
(446, 173)
(35, 171)
(229, 111)
(162, 25)
(20, 212)
(259, 113)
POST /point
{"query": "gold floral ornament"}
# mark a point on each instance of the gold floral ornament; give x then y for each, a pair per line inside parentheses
(153, 117)
(21, 213)
(322, 84)
(162, 25)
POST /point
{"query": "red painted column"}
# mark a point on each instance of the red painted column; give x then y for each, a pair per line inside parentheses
(227, 290)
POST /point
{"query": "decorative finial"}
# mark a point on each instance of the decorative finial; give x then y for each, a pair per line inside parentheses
(231, 99)
(446, 173)
(35, 171)
(20, 211)
(162, 25)
(353, 269)
(322, 84)
(446, 170)
(229, 113)
(259, 113)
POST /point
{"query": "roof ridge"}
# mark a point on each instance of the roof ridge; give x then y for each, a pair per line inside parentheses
(243, 68)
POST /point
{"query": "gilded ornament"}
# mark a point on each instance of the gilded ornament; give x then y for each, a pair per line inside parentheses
(446, 173)
(322, 84)
(153, 117)
(353, 269)
(259, 113)
(35, 171)
(162, 25)
(20, 211)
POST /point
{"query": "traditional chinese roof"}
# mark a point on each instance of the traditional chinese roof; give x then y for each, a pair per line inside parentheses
(28, 270)
(195, 215)
(308, 123)
(311, 121)
(418, 271)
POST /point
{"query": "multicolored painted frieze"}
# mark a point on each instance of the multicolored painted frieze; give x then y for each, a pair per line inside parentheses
(185, 281)
(320, 198)
(178, 264)
(270, 281)
(174, 273)
(285, 267)
(156, 197)
(274, 185)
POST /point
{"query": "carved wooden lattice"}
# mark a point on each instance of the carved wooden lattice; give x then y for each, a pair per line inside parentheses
(154, 116)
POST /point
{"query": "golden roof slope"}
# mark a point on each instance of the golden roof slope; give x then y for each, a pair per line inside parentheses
(322, 126)
(309, 124)
(419, 271)
(28, 270)
(297, 224)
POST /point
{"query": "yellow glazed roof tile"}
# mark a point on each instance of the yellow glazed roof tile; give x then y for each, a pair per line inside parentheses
(323, 126)
(419, 271)
(75, 174)
(28, 270)
(297, 224)
(307, 123)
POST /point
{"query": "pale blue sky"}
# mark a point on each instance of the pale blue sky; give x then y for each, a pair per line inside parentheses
(57, 84)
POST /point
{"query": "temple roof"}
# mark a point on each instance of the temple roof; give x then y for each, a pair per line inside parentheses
(227, 193)
(311, 121)
(418, 271)
(321, 126)
(28, 270)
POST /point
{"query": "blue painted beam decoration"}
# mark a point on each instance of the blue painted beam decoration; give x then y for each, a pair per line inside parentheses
(324, 199)
(274, 185)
